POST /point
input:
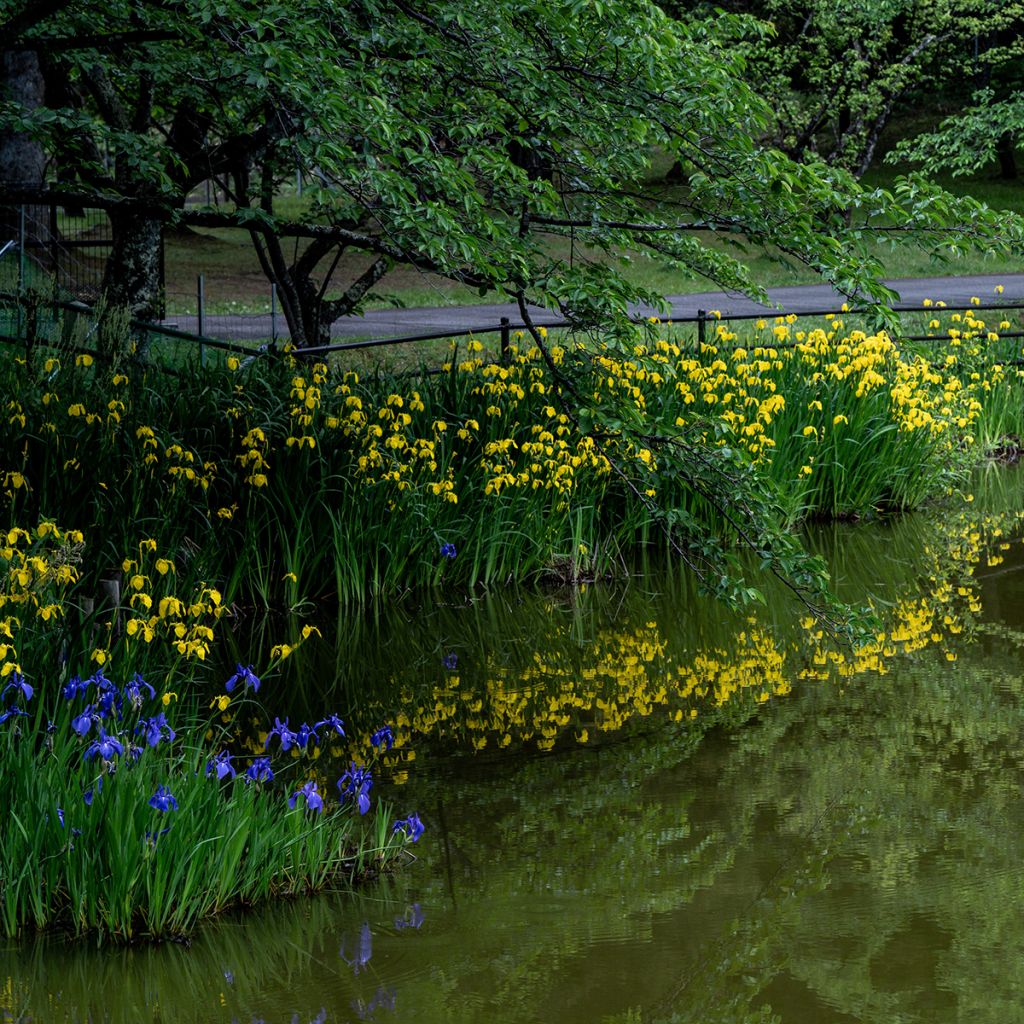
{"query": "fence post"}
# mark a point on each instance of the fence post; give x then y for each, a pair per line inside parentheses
(201, 315)
(504, 339)
(31, 326)
(273, 313)
(701, 315)
(21, 262)
(54, 244)
(162, 271)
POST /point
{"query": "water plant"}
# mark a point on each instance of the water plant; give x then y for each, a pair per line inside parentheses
(130, 809)
(287, 482)
(126, 817)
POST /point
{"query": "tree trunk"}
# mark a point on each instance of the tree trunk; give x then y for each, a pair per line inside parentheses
(675, 175)
(133, 273)
(1007, 157)
(329, 310)
(22, 159)
(310, 310)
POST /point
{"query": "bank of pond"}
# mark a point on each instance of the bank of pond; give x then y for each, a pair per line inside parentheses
(626, 782)
(253, 645)
(282, 481)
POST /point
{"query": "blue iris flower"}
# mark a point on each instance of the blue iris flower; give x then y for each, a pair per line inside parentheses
(87, 796)
(314, 801)
(221, 764)
(246, 676)
(411, 826)
(60, 817)
(75, 687)
(133, 691)
(450, 661)
(108, 695)
(448, 551)
(107, 747)
(334, 722)
(282, 731)
(107, 702)
(18, 683)
(100, 681)
(12, 713)
(259, 770)
(162, 800)
(82, 723)
(304, 735)
(356, 783)
(155, 729)
(384, 736)
(152, 838)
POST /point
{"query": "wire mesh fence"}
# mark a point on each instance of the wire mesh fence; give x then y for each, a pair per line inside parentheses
(41, 318)
(70, 329)
(52, 244)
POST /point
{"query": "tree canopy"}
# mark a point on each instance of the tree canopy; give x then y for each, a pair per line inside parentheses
(507, 144)
(462, 138)
(989, 124)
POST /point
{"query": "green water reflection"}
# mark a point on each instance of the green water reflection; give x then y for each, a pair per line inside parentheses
(831, 837)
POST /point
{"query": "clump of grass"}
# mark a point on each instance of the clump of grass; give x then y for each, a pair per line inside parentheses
(130, 811)
(125, 821)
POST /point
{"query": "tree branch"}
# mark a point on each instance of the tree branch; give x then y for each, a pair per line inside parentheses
(108, 41)
(355, 291)
(34, 13)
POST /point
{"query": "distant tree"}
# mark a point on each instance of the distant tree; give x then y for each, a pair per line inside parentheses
(988, 126)
(838, 70)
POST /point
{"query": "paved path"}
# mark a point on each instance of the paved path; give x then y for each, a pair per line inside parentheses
(390, 323)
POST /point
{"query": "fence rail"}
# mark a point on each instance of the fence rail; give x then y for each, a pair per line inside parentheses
(29, 305)
(70, 244)
(702, 320)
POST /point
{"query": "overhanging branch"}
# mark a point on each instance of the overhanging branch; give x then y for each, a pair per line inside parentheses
(109, 41)
(32, 14)
(613, 225)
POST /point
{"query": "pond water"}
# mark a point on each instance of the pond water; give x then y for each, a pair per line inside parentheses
(643, 809)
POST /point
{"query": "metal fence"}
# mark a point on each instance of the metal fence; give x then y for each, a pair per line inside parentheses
(65, 245)
(34, 320)
(63, 249)
(701, 322)
(52, 261)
